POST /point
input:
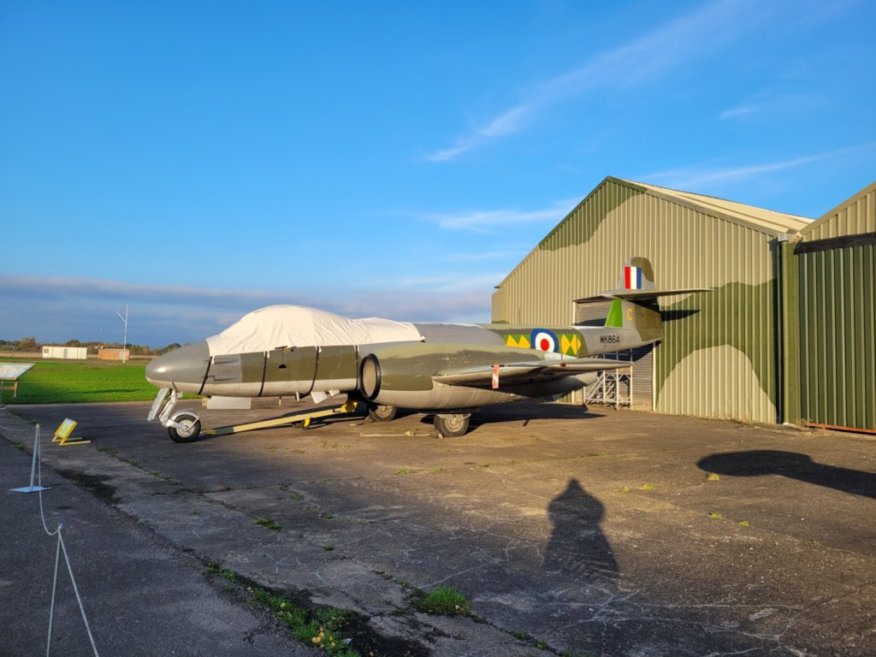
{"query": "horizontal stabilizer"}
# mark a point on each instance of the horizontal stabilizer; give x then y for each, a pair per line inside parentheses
(528, 371)
(636, 295)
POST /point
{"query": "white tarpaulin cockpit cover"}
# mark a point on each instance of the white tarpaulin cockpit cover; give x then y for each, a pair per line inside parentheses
(279, 326)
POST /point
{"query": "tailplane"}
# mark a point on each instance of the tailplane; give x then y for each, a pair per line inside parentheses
(634, 301)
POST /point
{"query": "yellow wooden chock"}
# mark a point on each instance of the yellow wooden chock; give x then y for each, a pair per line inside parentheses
(63, 432)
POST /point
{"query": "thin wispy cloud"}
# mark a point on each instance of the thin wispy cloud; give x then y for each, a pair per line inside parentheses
(701, 177)
(642, 60)
(451, 283)
(486, 221)
(694, 178)
(767, 104)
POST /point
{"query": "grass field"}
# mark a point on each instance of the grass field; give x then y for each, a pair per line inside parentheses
(65, 381)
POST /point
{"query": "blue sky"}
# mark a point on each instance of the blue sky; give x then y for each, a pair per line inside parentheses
(197, 160)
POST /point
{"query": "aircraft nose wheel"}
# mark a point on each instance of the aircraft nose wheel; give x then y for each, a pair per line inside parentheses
(451, 426)
(184, 428)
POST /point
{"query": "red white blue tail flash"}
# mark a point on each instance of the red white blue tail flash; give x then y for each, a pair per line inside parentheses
(633, 278)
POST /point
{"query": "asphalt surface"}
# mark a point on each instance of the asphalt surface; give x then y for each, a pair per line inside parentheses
(601, 533)
(141, 596)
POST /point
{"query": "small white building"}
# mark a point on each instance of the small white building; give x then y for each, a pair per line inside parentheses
(69, 353)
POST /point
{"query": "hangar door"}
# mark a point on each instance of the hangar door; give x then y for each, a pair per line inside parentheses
(641, 359)
(837, 279)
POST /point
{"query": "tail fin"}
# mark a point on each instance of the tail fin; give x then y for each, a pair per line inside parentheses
(634, 301)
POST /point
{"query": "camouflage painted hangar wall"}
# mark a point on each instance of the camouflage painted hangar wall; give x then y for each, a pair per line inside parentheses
(719, 357)
(836, 275)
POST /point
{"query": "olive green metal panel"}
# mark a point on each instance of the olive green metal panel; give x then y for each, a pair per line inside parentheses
(837, 328)
(718, 358)
(788, 334)
(855, 216)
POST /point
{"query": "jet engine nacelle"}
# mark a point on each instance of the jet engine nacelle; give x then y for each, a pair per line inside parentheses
(401, 375)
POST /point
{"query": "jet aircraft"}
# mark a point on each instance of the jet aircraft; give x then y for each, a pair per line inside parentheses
(448, 370)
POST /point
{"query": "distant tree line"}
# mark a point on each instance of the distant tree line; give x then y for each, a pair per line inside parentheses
(31, 344)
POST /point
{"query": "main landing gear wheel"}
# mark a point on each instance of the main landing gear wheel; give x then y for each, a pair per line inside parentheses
(187, 429)
(381, 412)
(451, 426)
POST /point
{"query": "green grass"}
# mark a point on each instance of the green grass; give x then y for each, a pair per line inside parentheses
(267, 523)
(445, 600)
(59, 381)
(323, 628)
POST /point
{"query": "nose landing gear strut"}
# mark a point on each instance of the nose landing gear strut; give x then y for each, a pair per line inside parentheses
(183, 426)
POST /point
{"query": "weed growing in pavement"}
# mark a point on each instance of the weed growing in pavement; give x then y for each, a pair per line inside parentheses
(214, 569)
(445, 600)
(267, 523)
(321, 628)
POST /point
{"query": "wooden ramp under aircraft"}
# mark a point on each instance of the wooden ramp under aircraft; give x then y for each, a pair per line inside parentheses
(303, 418)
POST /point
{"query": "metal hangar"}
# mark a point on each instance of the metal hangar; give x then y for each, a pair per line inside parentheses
(753, 348)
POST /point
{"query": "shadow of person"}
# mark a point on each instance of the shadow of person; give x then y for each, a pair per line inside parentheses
(758, 462)
(577, 548)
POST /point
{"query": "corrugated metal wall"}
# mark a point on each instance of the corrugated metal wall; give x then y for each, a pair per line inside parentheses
(718, 358)
(837, 333)
(838, 324)
(836, 278)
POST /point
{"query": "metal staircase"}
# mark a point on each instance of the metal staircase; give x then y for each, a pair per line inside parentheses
(611, 388)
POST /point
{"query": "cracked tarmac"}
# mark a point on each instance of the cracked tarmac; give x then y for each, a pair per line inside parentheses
(577, 533)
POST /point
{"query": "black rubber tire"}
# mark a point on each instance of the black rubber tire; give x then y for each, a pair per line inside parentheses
(451, 426)
(193, 424)
(382, 412)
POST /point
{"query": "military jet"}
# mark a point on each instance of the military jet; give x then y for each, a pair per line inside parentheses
(448, 370)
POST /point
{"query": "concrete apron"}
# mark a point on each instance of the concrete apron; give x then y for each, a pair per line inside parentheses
(591, 535)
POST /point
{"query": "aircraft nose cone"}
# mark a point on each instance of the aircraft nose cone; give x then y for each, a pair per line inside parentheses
(182, 368)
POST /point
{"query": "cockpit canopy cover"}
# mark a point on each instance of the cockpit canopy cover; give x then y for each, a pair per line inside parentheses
(279, 326)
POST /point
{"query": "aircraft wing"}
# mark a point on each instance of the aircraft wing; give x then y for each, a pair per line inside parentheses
(525, 372)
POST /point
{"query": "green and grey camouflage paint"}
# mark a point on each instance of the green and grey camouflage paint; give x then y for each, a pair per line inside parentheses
(719, 356)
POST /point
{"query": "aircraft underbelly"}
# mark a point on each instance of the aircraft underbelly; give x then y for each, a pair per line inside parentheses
(443, 396)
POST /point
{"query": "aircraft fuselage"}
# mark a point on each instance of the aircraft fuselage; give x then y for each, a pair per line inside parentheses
(407, 366)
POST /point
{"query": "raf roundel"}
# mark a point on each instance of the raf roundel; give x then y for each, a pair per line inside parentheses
(543, 340)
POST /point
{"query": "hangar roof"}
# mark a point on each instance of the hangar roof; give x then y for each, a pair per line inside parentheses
(758, 218)
(855, 216)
